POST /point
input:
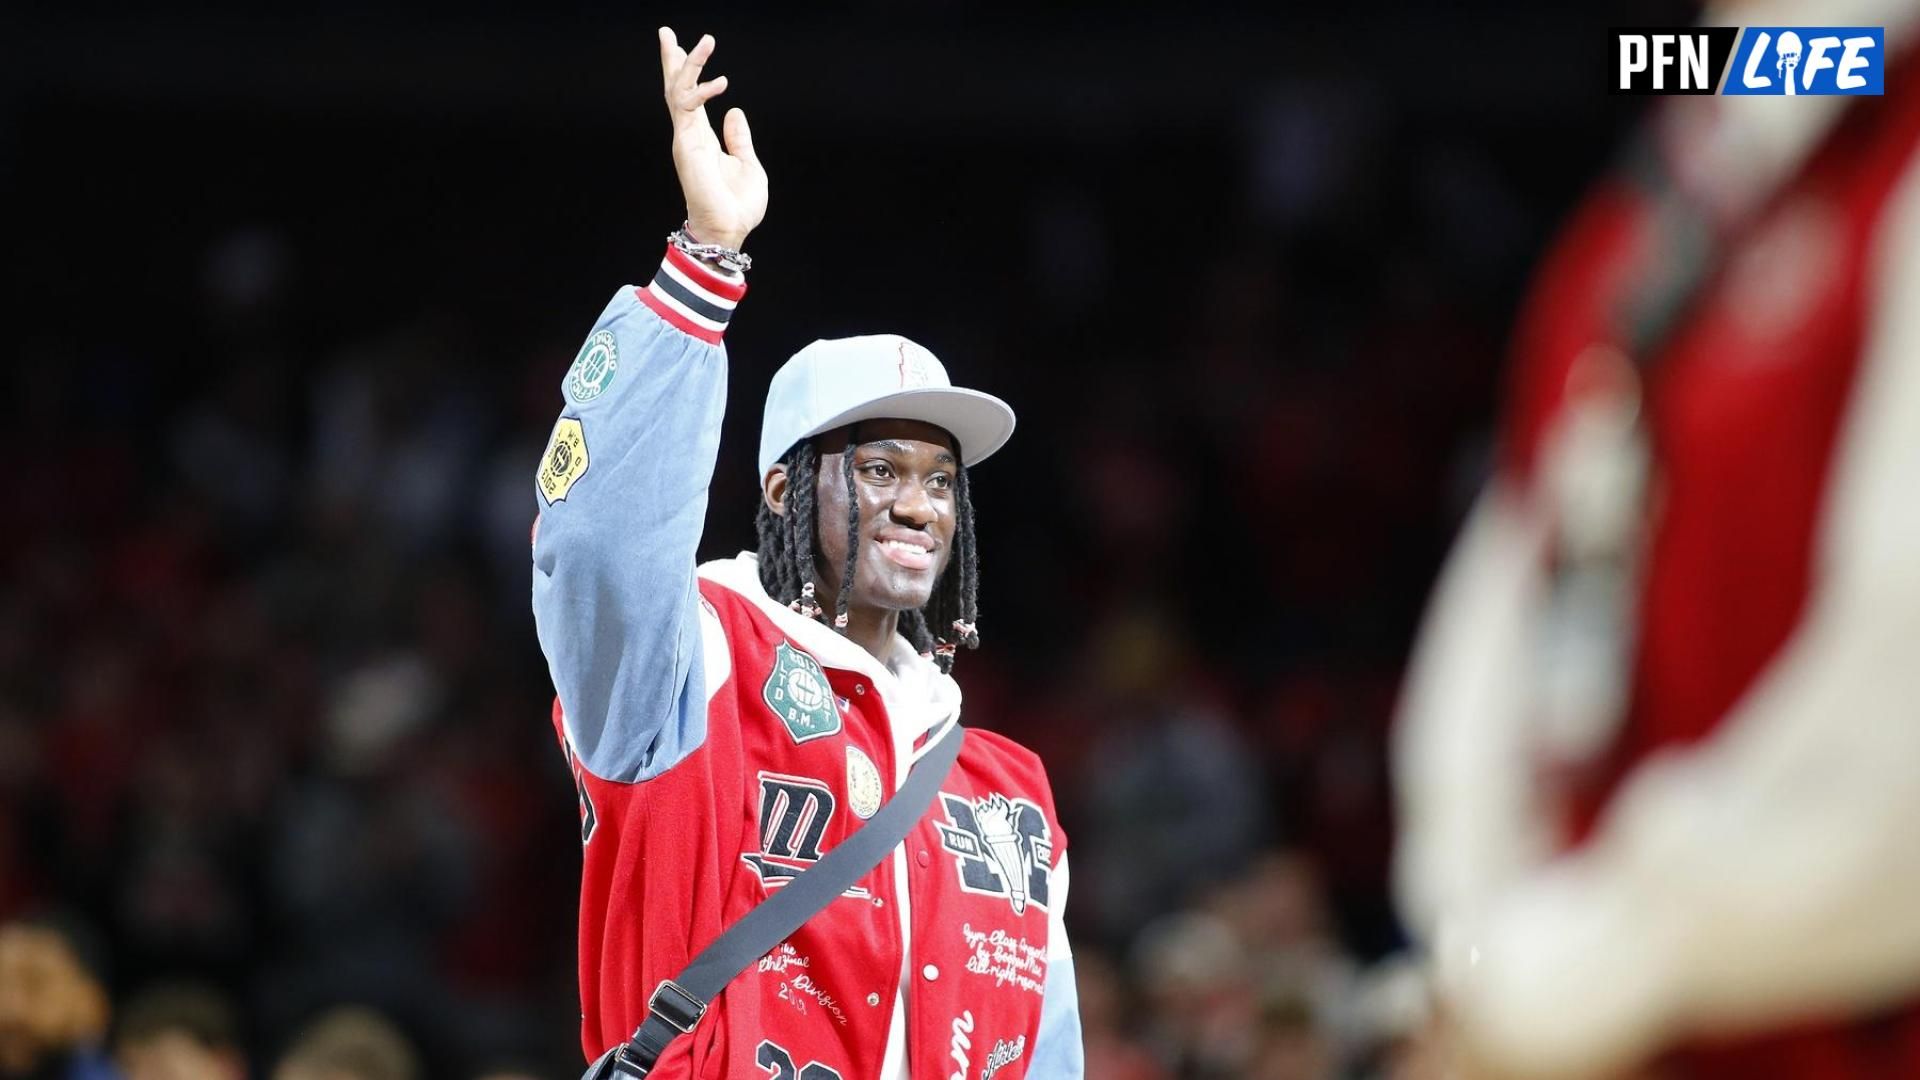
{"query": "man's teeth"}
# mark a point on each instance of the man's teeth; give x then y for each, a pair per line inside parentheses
(902, 545)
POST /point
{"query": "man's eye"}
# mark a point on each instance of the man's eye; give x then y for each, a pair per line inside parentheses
(879, 470)
(941, 481)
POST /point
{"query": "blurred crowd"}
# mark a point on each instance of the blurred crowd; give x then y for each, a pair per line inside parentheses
(1245, 983)
(278, 794)
(54, 1024)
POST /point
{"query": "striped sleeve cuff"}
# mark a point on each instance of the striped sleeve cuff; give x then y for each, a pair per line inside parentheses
(692, 296)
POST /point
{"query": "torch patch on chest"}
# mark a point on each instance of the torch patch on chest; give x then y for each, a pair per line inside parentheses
(1004, 847)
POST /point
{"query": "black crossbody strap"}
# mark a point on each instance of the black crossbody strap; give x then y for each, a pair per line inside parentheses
(678, 1003)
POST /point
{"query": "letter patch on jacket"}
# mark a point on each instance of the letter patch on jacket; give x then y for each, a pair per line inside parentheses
(798, 694)
(778, 1062)
(1005, 847)
(794, 813)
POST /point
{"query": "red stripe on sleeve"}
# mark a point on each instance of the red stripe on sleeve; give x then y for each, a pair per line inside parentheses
(679, 321)
(705, 276)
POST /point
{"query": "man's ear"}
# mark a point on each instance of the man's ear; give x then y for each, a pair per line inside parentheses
(773, 488)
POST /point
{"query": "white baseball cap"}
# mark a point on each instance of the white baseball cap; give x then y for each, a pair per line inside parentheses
(873, 377)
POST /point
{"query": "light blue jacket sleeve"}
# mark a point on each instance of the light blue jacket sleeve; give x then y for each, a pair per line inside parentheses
(1058, 1053)
(622, 495)
(1057, 1050)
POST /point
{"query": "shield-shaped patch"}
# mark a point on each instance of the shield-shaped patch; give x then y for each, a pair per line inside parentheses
(798, 694)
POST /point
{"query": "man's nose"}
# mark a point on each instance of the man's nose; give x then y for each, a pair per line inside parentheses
(913, 506)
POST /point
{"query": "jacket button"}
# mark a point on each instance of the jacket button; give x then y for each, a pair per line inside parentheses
(930, 972)
(873, 999)
(859, 688)
(923, 858)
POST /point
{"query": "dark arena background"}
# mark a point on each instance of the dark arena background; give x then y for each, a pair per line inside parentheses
(291, 295)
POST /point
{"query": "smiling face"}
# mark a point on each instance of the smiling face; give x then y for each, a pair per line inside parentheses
(903, 484)
(903, 479)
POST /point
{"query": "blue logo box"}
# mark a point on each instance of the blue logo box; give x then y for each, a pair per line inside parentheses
(1810, 60)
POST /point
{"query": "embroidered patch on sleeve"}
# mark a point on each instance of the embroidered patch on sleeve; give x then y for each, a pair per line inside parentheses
(565, 460)
(592, 371)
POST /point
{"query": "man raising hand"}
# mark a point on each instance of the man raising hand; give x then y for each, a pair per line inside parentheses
(730, 724)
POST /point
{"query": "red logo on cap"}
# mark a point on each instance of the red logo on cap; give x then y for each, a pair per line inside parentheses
(913, 369)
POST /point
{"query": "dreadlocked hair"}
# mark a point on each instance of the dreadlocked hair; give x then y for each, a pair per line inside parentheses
(949, 621)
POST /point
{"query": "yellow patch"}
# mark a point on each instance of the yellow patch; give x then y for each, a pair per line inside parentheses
(564, 461)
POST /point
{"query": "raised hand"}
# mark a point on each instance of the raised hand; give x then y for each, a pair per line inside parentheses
(725, 189)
